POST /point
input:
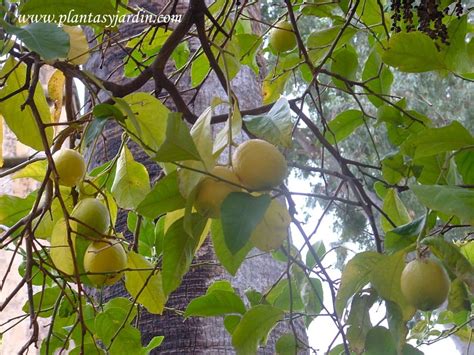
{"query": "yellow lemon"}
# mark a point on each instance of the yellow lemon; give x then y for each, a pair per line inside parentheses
(104, 260)
(272, 230)
(70, 167)
(92, 218)
(212, 192)
(259, 164)
(282, 37)
(425, 284)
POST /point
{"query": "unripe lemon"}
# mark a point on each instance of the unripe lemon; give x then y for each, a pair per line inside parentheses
(259, 164)
(107, 258)
(282, 37)
(60, 251)
(425, 284)
(272, 230)
(212, 192)
(93, 216)
(70, 167)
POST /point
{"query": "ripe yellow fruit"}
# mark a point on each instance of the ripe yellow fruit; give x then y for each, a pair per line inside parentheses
(93, 216)
(272, 230)
(212, 192)
(78, 46)
(60, 252)
(425, 284)
(70, 167)
(282, 37)
(259, 165)
(105, 260)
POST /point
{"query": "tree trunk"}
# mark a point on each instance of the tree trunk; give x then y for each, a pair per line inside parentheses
(194, 335)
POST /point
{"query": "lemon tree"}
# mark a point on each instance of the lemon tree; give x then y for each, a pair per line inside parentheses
(153, 201)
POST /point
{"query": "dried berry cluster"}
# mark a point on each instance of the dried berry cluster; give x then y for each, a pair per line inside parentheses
(429, 17)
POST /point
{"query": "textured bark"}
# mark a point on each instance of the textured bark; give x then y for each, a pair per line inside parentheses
(195, 335)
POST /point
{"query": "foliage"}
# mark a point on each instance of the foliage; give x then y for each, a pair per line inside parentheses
(406, 188)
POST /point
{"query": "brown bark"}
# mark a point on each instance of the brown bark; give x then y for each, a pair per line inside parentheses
(195, 335)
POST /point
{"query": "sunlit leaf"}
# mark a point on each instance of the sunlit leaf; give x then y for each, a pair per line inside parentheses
(144, 285)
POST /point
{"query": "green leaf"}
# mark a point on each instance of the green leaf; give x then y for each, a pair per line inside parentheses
(181, 55)
(63, 7)
(231, 322)
(456, 54)
(451, 200)
(255, 325)
(178, 144)
(458, 298)
(111, 319)
(233, 123)
(46, 39)
(94, 130)
(453, 259)
(378, 78)
(403, 236)
(385, 278)
(144, 284)
(359, 321)
(231, 262)
(240, 214)
(468, 251)
(22, 122)
(153, 344)
(215, 303)
(178, 251)
(199, 70)
(320, 42)
(345, 63)
(380, 341)
(249, 43)
(355, 276)
(370, 12)
(201, 134)
(465, 165)
(164, 197)
(36, 170)
(395, 210)
(229, 57)
(151, 117)
(287, 344)
(343, 125)
(129, 338)
(13, 208)
(393, 168)
(131, 181)
(432, 141)
(284, 297)
(396, 323)
(43, 301)
(412, 52)
(275, 126)
(319, 249)
(312, 295)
